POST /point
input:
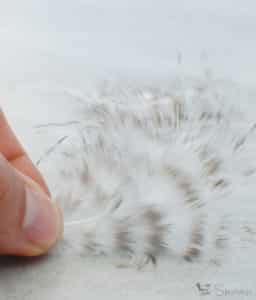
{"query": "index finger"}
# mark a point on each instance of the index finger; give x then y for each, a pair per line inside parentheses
(13, 151)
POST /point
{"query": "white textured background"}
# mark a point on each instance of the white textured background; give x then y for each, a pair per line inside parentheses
(51, 50)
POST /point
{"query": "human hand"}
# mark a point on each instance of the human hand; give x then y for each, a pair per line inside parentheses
(30, 223)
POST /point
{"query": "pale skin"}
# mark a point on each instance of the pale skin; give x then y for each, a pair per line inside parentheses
(30, 222)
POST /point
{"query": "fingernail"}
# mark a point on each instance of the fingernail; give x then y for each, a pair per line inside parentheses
(42, 222)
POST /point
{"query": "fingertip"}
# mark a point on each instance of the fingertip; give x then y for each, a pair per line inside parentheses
(42, 223)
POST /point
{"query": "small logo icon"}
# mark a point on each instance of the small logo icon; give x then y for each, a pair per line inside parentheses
(204, 289)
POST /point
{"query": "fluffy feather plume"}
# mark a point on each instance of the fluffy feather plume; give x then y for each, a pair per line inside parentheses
(151, 173)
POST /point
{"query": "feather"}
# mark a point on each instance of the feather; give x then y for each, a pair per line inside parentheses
(157, 174)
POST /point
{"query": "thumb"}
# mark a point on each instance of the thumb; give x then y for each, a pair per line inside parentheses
(29, 223)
